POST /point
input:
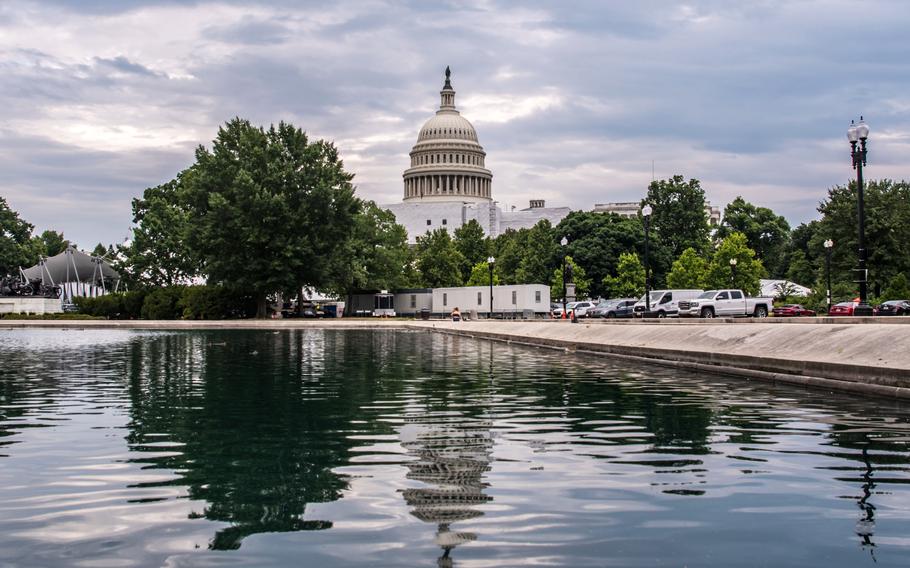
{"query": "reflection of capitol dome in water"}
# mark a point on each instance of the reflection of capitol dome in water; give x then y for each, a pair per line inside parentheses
(447, 163)
(453, 454)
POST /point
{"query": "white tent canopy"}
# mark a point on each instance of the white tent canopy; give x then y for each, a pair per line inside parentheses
(76, 273)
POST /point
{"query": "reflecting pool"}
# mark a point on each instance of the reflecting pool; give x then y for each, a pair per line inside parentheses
(402, 448)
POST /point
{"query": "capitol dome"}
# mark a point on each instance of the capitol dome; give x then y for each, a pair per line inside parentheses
(447, 162)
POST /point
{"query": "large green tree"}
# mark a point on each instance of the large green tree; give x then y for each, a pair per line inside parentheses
(16, 246)
(689, 271)
(51, 243)
(438, 260)
(596, 241)
(540, 254)
(887, 231)
(375, 257)
(158, 253)
(679, 220)
(747, 272)
(269, 210)
(508, 249)
(480, 275)
(629, 281)
(472, 244)
(767, 233)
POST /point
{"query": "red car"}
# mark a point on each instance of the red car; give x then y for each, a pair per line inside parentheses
(842, 309)
(792, 310)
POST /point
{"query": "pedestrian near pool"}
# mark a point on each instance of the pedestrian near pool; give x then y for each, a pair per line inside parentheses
(456, 315)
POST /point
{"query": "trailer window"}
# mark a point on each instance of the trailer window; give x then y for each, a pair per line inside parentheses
(479, 298)
(514, 297)
(537, 296)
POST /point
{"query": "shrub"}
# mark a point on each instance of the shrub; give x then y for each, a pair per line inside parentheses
(215, 302)
(163, 303)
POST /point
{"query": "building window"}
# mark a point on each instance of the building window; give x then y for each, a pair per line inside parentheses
(414, 300)
(445, 221)
(537, 296)
(445, 299)
(514, 297)
(479, 298)
(429, 222)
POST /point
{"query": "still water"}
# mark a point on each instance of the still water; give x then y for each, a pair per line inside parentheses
(391, 448)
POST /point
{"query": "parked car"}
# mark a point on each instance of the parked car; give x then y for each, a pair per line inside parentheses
(893, 308)
(726, 303)
(842, 309)
(581, 308)
(665, 303)
(792, 310)
(557, 311)
(619, 308)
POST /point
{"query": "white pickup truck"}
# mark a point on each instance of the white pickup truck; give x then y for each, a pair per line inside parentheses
(725, 303)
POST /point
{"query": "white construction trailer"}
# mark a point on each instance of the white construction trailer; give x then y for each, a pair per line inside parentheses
(512, 301)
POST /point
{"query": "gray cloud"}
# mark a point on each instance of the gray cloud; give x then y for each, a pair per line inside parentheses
(572, 103)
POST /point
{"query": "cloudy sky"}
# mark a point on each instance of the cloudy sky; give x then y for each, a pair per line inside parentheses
(573, 101)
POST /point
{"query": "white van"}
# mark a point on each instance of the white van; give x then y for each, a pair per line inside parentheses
(665, 303)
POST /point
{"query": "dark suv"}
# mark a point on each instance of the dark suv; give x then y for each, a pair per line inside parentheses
(616, 308)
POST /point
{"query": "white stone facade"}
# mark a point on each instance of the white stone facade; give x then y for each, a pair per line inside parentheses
(632, 208)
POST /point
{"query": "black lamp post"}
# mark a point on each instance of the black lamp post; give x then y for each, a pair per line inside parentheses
(859, 133)
(490, 261)
(733, 262)
(564, 242)
(829, 244)
(646, 218)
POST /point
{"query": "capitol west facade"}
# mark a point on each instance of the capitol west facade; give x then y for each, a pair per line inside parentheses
(448, 183)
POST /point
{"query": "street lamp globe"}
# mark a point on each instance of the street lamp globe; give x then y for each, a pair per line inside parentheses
(564, 241)
(862, 129)
(829, 243)
(491, 260)
(852, 134)
(646, 211)
(733, 262)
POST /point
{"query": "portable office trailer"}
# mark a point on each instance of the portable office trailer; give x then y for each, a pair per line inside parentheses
(521, 300)
(410, 301)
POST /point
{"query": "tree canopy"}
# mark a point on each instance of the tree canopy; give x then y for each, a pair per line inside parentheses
(767, 233)
(689, 271)
(747, 272)
(16, 246)
(158, 253)
(629, 281)
(438, 260)
(678, 220)
(269, 210)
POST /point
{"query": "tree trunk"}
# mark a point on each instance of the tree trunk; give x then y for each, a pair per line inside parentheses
(261, 306)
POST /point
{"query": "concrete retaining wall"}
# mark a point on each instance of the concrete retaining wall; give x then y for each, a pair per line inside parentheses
(872, 359)
(29, 305)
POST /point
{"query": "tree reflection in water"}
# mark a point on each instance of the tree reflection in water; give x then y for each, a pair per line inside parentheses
(262, 420)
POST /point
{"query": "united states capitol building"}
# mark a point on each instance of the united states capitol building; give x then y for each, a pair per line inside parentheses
(448, 183)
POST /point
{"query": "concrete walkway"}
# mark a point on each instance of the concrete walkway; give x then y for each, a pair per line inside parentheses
(871, 358)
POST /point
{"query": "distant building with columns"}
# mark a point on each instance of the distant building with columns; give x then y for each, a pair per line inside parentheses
(448, 183)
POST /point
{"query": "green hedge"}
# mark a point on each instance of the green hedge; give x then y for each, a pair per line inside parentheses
(127, 305)
(174, 302)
